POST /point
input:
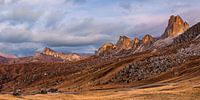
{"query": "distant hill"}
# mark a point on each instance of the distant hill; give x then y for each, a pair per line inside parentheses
(7, 55)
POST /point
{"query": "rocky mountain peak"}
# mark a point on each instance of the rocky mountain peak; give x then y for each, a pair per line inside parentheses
(47, 50)
(67, 57)
(124, 42)
(106, 49)
(192, 33)
(176, 26)
(136, 41)
(147, 39)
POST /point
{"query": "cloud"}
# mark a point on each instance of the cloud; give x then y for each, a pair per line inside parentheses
(194, 19)
(78, 1)
(20, 15)
(2, 2)
(20, 49)
(83, 25)
(60, 36)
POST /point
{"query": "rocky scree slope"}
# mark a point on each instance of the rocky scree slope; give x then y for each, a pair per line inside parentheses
(142, 68)
(187, 46)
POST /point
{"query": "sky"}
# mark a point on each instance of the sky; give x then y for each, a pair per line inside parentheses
(82, 26)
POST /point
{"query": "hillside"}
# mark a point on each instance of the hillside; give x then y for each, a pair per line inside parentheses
(128, 64)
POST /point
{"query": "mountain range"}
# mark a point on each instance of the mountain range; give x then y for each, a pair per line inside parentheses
(176, 26)
(47, 55)
(174, 57)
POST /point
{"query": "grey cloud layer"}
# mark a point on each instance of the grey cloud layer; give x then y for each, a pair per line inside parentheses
(73, 24)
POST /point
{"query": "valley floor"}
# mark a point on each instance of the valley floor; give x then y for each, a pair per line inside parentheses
(182, 90)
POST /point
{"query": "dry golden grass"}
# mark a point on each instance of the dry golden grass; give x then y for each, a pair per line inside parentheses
(183, 90)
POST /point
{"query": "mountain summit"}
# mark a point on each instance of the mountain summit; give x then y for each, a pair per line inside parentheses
(106, 49)
(124, 42)
(176, 26)
(147, 39)
(67, 57)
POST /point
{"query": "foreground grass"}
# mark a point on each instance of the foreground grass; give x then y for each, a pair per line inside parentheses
(183, 91)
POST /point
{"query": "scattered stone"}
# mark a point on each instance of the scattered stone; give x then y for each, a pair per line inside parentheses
(17, 92)
(53, 90)
(43, 91)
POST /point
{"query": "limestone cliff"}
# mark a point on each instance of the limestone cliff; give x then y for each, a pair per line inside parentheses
(68, 57)
(176, 26)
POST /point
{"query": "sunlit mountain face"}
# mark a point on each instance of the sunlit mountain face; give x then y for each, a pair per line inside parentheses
(82, 26)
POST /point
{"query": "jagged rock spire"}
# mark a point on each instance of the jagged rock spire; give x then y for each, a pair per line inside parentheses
(176, 26)
(147, 39)
(105, 49)
(124, 42)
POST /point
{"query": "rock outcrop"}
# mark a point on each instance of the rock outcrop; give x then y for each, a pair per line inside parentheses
(106, 49)
(176, 26)
(145, 44)
(136, 43)
(190, 34)
(124, 42)
(147, 40)
(67, 57)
